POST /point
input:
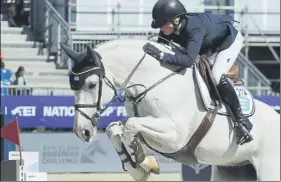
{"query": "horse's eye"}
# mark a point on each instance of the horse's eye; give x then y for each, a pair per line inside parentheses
(92, 85)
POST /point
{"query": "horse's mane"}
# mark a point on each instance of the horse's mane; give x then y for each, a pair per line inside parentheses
(131, 52)
(132, 43)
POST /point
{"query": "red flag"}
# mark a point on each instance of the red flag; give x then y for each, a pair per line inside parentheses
(11, 132)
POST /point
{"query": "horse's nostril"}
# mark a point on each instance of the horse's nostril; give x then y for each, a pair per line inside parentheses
(86, 135)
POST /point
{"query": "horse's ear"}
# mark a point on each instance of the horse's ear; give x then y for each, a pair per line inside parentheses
(94, 56)
(70, 53)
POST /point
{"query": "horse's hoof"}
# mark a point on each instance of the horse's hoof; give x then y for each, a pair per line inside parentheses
(154, 164)
(151, 164)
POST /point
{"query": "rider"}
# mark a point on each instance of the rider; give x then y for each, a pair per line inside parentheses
(202, 33)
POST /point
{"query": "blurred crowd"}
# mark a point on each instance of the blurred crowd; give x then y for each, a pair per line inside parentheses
(15, 13)
(8, 78)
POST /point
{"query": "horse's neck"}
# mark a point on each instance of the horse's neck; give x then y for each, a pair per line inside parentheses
(120, 61)
(121, 57)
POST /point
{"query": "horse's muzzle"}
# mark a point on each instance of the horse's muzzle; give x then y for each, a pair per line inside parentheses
(86, 134)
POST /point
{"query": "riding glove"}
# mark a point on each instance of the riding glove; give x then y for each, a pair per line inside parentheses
(153, 51)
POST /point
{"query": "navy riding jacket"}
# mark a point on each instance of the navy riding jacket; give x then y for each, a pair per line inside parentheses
(200, 33)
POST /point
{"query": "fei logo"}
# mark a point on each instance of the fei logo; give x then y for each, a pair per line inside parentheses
(27, 111)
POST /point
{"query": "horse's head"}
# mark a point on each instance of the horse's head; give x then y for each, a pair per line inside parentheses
(91, 95)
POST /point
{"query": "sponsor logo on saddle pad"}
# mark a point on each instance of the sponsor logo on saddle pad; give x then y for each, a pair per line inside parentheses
(245, 104)
(245, 99)
(244, 96)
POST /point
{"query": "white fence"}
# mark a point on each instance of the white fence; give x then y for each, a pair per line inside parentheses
(252, 77)
(118, 15)
(15, 90)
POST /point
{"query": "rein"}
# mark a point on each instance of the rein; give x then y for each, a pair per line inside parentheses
(135, 100)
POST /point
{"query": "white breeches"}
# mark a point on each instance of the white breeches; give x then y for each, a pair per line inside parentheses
(226, 58)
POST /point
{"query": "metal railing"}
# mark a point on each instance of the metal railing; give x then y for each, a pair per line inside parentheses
(260, 90)
(58, 31)
(15, 90)
(243, 14)
(115, 13)
(252, 77)
(33, 90)
(80, 41)
(248, 72)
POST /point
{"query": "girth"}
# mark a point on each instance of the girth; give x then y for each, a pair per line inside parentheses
(186, 154)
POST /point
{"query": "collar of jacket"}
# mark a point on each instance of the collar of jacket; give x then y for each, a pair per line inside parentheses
(183, 24)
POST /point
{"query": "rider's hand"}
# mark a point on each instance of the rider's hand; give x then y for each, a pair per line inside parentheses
(153, 51)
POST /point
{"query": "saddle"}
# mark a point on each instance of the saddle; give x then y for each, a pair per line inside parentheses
(210, 94)
(205, 71)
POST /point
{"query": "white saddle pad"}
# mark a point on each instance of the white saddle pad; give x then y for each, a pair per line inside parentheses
(245, 97)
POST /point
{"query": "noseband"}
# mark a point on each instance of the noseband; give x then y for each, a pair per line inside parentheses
(97, 105)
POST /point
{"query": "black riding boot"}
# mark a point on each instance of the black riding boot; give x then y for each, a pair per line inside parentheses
(242, 125)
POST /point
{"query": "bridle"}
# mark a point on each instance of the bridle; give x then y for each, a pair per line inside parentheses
(135, 100)
(97, 105)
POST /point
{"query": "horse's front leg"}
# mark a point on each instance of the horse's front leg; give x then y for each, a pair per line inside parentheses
(114, 133)
(161, 132)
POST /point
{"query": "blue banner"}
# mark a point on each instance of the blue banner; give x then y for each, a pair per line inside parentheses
(58, 111)
(52, 111)
(273, 101)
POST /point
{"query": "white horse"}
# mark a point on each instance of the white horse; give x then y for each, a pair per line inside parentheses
(174, 118)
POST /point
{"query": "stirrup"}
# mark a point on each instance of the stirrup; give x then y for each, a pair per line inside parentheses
(248, 125)
(245, 139)
(242, 134)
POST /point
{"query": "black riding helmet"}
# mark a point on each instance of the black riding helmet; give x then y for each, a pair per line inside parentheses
(166, 10)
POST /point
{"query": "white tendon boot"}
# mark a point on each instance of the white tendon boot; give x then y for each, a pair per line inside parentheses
(114, 133)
